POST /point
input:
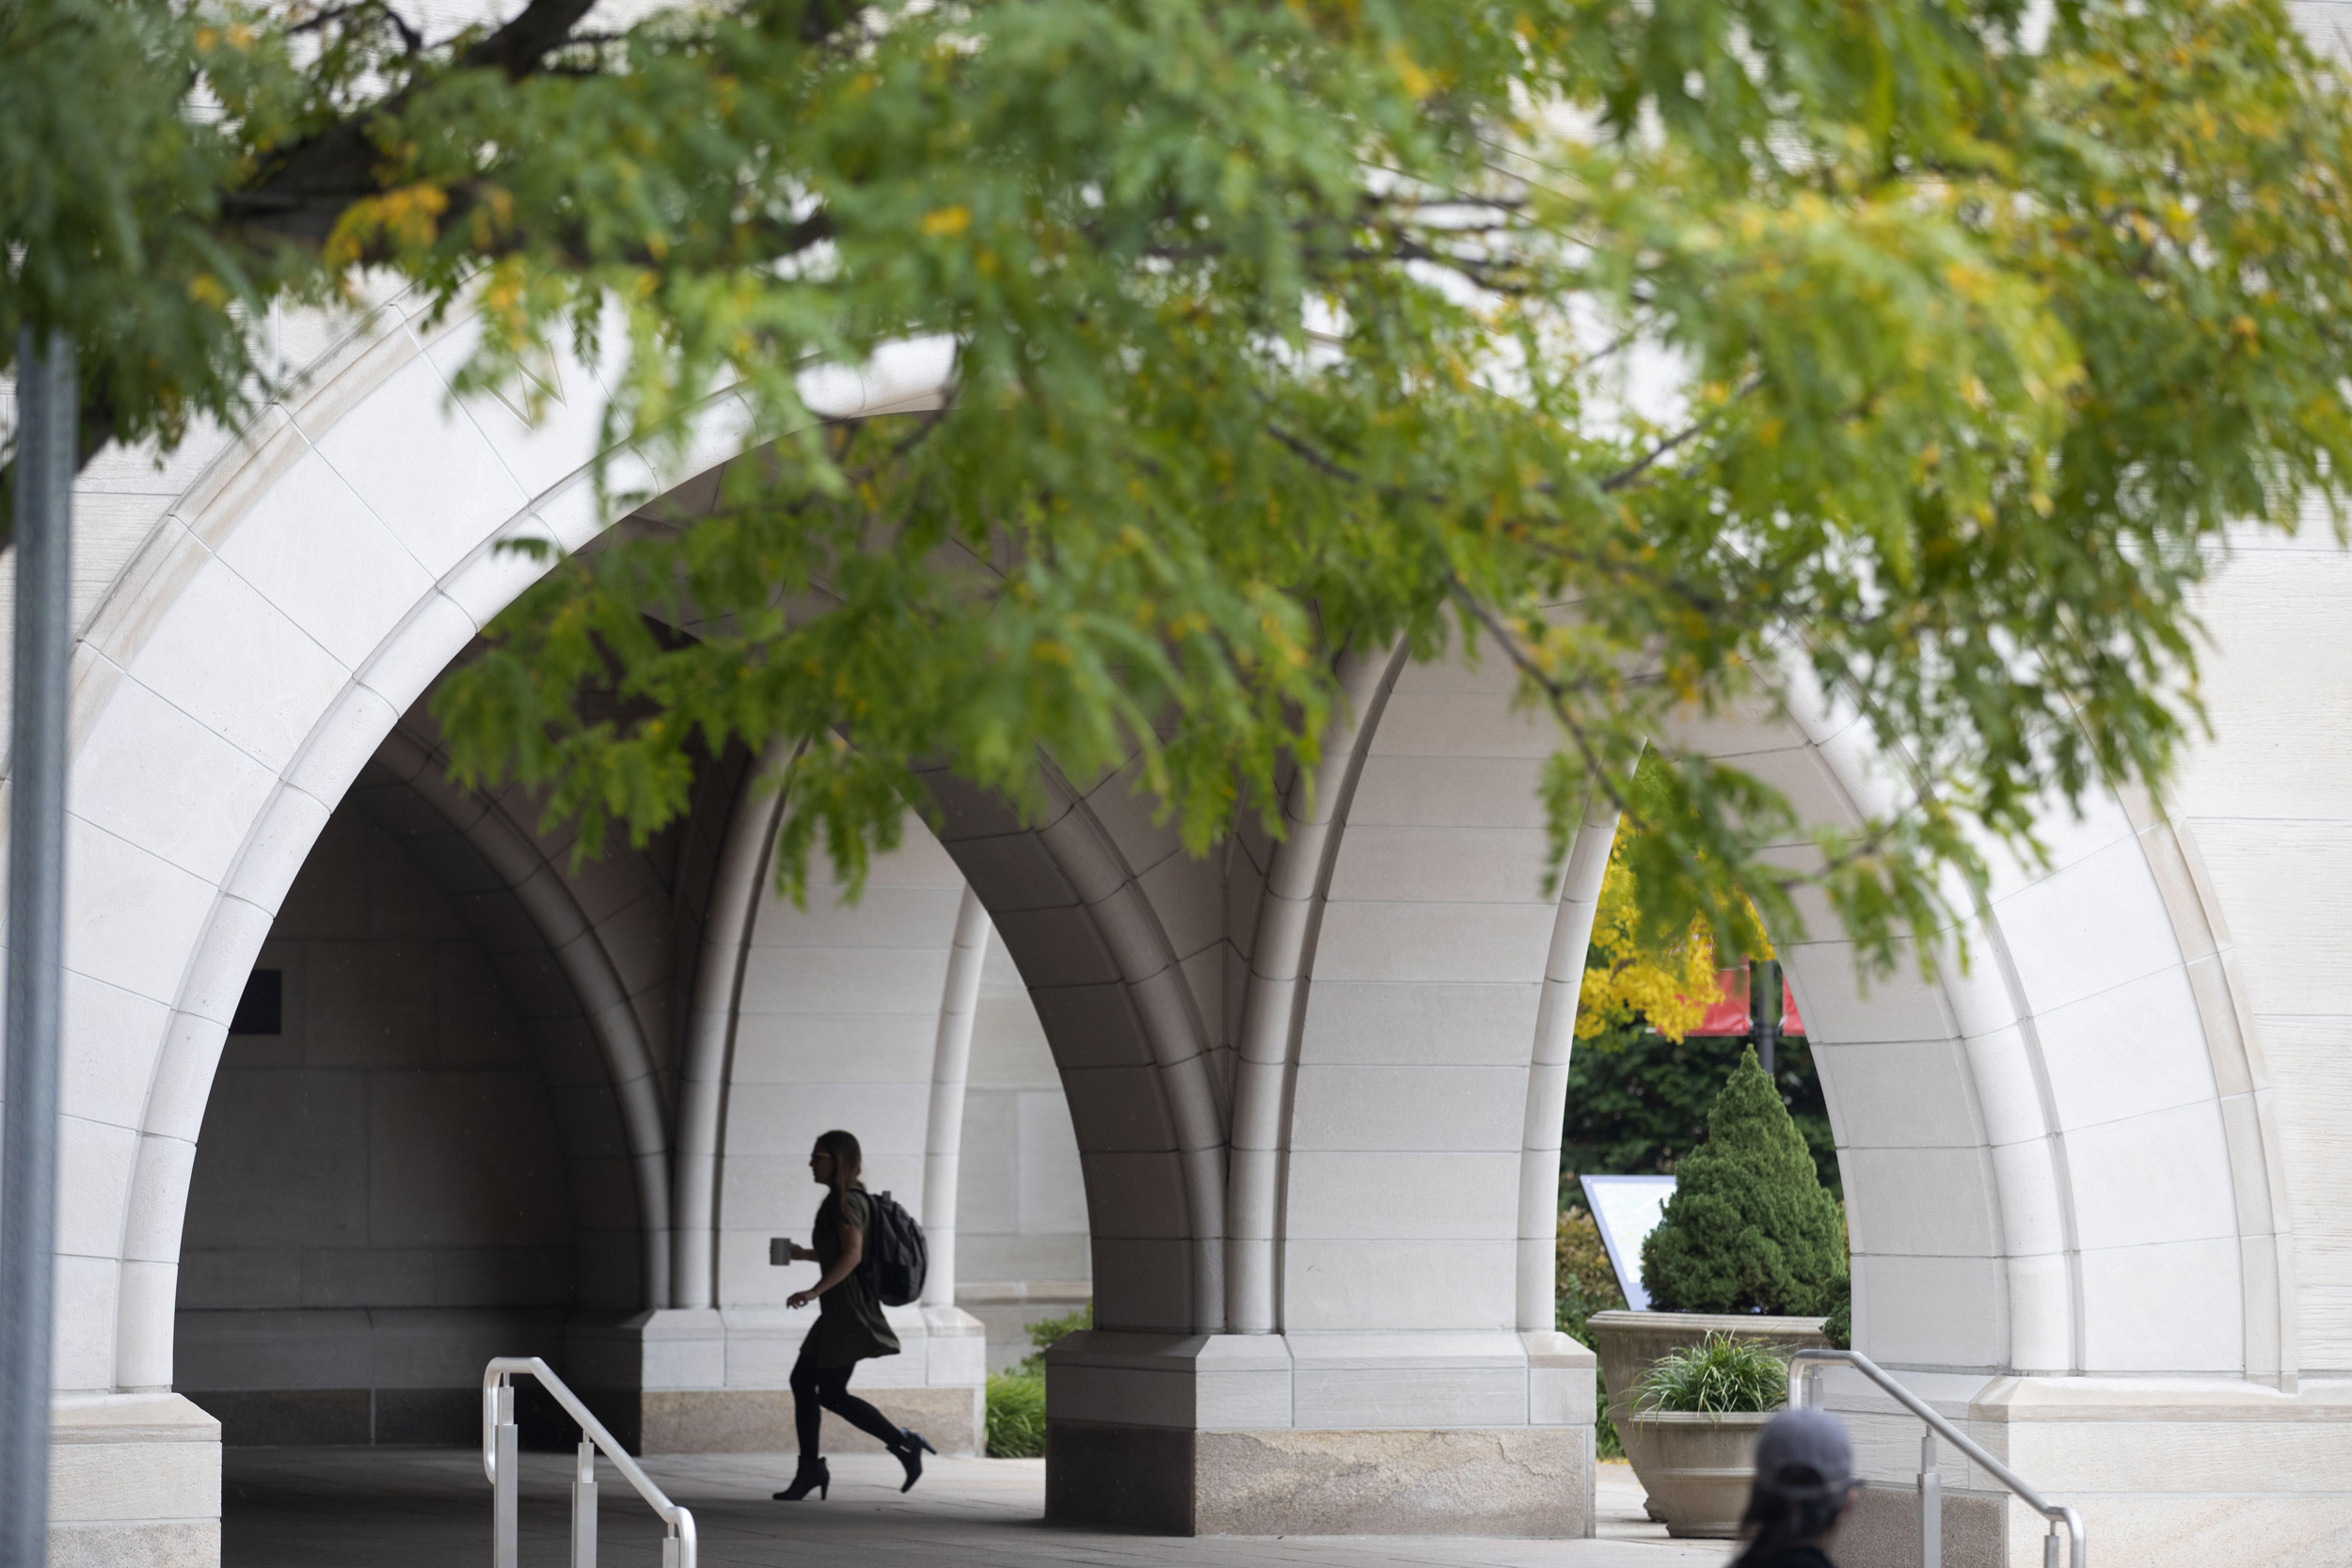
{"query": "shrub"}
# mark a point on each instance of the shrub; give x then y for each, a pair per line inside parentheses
(1721, 1375)
(1048, 1331)
(1016, 1400)
(1749, 1228)
(1016, 1415)
(1839, 1331)
(1584, 1284)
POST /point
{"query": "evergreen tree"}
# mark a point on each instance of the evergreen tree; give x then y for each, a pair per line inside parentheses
(1750, 1227)
(1637, 1102)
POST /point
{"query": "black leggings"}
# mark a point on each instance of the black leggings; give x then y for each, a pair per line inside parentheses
(818, 1389)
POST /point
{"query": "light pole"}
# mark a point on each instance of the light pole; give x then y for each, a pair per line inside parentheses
(47, 405)
(1764, 1012)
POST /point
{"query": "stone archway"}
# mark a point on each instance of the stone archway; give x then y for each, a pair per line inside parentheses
(408, 1163)
(266, 635)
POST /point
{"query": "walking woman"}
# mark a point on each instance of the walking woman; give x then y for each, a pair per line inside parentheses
(850, 1325)
(1804, 1483)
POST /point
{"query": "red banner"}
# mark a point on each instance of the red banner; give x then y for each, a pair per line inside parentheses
(1730, 1015)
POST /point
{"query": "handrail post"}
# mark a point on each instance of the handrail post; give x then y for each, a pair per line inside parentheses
(1931, 1504)
(1803, 1365)
(584, 1506)
(503, 1468)
(507, 1487)
(2049, 1547)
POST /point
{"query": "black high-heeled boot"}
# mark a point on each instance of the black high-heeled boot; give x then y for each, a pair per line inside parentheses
(811, 1475)
(911, 1448)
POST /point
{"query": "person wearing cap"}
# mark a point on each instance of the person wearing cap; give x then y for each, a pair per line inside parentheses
(1804, 1483)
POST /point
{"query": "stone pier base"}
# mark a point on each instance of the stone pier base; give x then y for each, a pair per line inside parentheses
(1233, 1435)
(759, 1420)
(133, 1478)
(718, 1381)
(1496, 1480)
(2171, 1470)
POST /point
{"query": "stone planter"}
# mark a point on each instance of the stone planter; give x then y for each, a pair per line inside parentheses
(1696, 1469)
(1629, 1344)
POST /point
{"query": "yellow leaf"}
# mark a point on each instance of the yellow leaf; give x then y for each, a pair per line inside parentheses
(1416, 80)
(947, 222)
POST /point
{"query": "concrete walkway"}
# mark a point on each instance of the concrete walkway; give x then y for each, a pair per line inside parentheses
(410, 1508)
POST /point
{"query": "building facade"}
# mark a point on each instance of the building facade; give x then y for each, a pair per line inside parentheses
(1312, 1088)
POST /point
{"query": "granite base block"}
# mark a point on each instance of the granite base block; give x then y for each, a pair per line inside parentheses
(133, 1479)
(1126, 1476)
(1881, 1530)
(176, 1543)
(1501, 1481)
(292, 1418)
(759, 1420)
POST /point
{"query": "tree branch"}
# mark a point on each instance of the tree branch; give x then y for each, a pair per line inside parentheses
(1555, 694)
(1683, 437)
(536, 31)
(301, 199)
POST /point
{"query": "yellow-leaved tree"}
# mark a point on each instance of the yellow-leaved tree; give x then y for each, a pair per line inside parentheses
(1642, 969)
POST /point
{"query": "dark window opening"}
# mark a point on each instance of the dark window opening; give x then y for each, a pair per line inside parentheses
(262, 1010)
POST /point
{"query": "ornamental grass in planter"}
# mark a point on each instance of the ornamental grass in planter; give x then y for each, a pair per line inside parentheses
(1721, 1375)
(1697, 1412)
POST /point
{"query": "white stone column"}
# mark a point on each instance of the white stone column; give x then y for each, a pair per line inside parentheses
(951, 1062)
(741, 880)
(844, 1015)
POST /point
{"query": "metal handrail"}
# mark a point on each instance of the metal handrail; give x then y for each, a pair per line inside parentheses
(1931, 1494)
(501, 1461)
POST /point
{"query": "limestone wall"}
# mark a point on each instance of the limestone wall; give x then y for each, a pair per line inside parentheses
(2268, 802)
(381, 1200)
(1022, 1242)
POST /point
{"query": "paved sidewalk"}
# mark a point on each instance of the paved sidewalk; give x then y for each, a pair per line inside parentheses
(411, 1508)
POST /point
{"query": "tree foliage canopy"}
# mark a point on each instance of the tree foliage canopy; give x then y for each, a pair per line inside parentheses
(1683, 356)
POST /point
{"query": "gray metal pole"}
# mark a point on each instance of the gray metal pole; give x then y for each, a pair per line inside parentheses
(47, 401)
(1764, 1014)
(1930, 1503)
(506, 1485)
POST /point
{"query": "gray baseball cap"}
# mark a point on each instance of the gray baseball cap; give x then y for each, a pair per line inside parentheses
(1801, 1440)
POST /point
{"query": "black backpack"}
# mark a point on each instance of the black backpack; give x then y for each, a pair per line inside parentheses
(896, 1257)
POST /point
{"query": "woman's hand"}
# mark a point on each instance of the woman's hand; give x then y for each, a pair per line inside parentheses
(799, 1254)
(799, 1298)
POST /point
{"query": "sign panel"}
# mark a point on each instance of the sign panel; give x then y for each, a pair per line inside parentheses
(1626, 1209)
